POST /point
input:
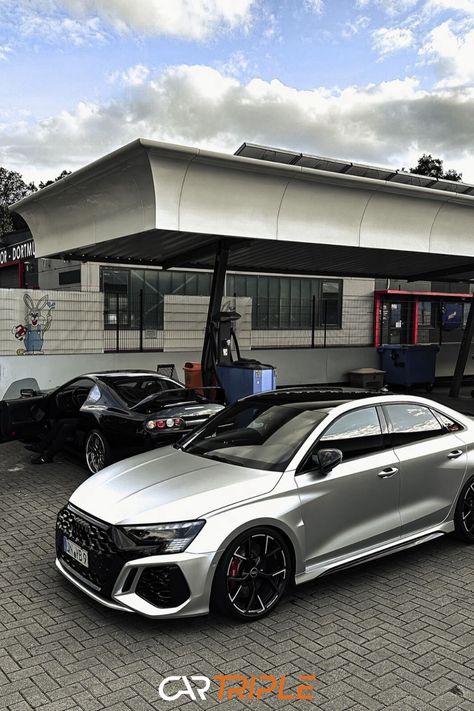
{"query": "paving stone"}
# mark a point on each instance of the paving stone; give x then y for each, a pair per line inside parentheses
(393, 635)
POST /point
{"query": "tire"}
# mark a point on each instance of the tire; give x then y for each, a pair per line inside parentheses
(97, 451)
(464, 514)
(253, 575)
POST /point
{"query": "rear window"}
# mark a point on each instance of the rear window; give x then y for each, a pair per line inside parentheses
(135, 389)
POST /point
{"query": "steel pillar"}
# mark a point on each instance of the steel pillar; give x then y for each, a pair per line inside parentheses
(210, 346)
(463, 354)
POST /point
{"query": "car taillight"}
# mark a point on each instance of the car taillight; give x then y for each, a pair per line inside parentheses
(170, 423)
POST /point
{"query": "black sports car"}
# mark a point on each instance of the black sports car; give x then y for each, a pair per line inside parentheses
(119, 413)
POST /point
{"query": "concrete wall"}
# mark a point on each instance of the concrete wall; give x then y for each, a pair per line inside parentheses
(294, 366)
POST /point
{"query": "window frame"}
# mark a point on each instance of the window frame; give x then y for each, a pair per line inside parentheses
(383, 436)
(443, 431)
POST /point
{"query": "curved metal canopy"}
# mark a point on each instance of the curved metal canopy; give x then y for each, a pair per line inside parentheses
(169, 205)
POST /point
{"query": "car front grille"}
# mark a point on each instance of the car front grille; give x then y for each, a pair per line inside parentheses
(105, 560)
(163, 586)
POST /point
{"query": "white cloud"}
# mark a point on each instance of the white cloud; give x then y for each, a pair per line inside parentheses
(384, 123)
(353, 27)
(450, 49)
(387, 40)
(316, 6)
(435, 6)
(192, 19)
(390, 7)
(63, 29)
(133, 76)
(87, 21)
(5, 50)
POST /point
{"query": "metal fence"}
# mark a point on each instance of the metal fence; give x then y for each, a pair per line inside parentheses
(136, 323)
(314, 323)
(133, 323)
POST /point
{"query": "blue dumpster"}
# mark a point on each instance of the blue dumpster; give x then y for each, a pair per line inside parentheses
(409, 365)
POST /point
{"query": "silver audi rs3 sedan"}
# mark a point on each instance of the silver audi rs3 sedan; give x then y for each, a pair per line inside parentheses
(277, 489)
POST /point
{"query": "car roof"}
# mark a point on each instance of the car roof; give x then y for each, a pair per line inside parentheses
(343, 399)
(125, 373)
(331, 396)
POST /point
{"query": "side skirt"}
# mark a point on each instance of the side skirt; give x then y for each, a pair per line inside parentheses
(319, 570)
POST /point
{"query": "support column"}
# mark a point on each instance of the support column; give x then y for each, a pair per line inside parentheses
(210, 346)
(463, 353)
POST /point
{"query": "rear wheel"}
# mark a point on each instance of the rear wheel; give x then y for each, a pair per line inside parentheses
(253, 575)
(97, 451)
(464, 514)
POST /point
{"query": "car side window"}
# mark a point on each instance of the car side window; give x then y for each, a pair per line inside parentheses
(448, 423)
(409, 422)
(356, 434)
(70, 398)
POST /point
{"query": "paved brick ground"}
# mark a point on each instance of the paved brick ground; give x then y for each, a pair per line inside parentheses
(396, 634)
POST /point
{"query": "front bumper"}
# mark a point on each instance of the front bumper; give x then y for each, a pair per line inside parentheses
(158, 586)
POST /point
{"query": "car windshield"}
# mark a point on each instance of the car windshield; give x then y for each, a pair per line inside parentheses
(258, 435)
(134, 389)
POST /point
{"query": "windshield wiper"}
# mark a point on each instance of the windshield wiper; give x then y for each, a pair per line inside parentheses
(216, 457)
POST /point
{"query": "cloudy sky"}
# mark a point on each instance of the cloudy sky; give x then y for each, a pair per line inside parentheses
(378, 81)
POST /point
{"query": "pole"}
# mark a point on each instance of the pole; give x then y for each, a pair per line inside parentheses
(325, 321)
(463, 354)
(141, 321)
(313, 319)
(210, 346)
(117, 324)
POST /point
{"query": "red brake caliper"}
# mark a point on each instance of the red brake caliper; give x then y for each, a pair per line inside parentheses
(234, 568)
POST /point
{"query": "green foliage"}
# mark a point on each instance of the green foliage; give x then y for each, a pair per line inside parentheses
(433, 167)
(12, 189)
(51, 182)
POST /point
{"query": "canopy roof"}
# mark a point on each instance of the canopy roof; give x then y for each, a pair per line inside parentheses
(169, 205)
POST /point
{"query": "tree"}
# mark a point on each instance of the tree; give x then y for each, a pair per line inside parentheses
(433, 167)
(12, 189)
(50, 182)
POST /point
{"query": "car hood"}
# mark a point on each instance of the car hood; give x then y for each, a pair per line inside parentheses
(168, 485)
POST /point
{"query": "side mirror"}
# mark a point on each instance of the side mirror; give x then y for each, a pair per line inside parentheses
(27, 392)
(327, 459)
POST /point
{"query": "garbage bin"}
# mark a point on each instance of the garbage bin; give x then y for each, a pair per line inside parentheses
(192, 375)
(366, 378)
(409, 365)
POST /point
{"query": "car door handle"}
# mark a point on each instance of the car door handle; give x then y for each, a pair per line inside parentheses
(387, 473)
(455, 454)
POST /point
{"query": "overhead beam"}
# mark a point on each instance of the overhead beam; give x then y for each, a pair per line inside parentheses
(447, 271)
(203, 252)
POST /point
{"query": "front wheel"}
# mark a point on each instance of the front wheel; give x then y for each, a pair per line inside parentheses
(464, 514)
(97, 451)
(253, 575)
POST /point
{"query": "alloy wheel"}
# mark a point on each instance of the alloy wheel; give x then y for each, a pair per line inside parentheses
(95, 452)
(256, 575)
(468, 510)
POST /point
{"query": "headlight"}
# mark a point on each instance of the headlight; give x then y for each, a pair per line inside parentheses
(166, 537)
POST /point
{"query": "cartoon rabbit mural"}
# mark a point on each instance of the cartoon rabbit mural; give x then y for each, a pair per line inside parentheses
(32, 333)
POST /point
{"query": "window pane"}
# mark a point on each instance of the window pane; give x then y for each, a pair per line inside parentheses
(362, 423)
(115, 280)
(450, 424)
(355, 434)
(410, 423)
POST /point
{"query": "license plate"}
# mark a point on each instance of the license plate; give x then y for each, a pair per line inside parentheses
(76, 552)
